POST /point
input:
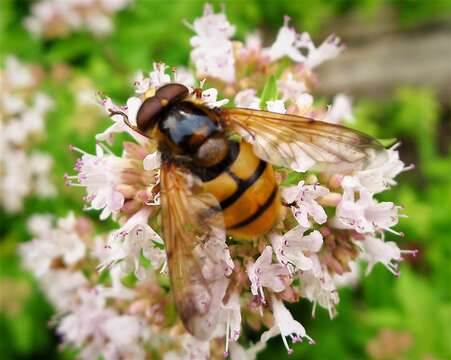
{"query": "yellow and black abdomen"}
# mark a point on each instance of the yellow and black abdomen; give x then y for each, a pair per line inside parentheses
(247, 192)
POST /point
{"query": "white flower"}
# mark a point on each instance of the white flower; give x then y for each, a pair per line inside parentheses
(263, 273)
(123, 330)
(363, 213)
(152, 161)
(101, 174)
(214, 256)
(247, 99)
(285, 325)
(290, 87)
(286, 44)
(158, 76)
(16, 180)
(317, 285)
(277, 106)
(293, 249)
(252, 44)
(302, 199)
(381, 173)
(56, 18)
(329, 49)
(117, 290)
(304, 104)
(376, 250)
(341, 109)
(126, 245)
(349, 278)
(100, 329)
(39, 225)
(23, 113)
(237, 352)
(41, 166)
(61, 242)
(209, 98)
(192, 349)
(141, 83)
(289, 43)
(85, 319)
(98, 23)
(17, 74)
(119, 126)
(231, 316)
(183, 76)
(61, 287)
(212, 51)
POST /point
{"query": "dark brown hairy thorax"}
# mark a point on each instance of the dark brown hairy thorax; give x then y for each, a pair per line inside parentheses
(190, 129)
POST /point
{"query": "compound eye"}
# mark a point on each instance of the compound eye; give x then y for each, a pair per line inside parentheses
(171, 93)
(148, 113)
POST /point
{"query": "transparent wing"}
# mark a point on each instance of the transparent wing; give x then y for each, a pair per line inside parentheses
(302, 143)
(189, 217)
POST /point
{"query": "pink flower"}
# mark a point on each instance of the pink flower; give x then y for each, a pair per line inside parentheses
(61, 287)
(126, 245)
(290, 87)
(377, 250)
(263, 273)
(158, 76)
(363, 213)
(329, 49)
(119, 126)
(380, 175)
(209, 98)
(214, 256)
(101, 174)
(192, 349)
(100, 329)
(277, 106)
(152, 161)
(231, 314)
(247, 99)
(86, 319)
(349, 278)
(212, 49)
(317, 285)
(285, 325)
(237, 352)
(302, 199)
(340, 110)
(61, 242)
(286, 44)
(293, 249)
(289, 43)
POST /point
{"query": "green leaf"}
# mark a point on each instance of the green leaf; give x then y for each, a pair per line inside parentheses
(388, 142)
(129, 280)
(143, 261)
(269, 91)
(292, 179)
(104, 276)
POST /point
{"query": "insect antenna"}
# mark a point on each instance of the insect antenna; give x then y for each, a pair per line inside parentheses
(125, 117)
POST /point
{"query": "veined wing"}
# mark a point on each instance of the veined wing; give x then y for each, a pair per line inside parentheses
(189, 215)
(301, 143)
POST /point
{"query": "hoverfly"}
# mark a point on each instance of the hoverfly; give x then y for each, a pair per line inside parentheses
(208, 179)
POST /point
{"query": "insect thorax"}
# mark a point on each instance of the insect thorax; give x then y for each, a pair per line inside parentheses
(193, 131)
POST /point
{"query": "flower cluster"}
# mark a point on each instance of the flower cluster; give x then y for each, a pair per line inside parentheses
(57, 18)
(22, 112)
(332, 221)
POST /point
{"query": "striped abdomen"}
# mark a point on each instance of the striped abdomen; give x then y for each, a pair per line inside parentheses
(246, 188)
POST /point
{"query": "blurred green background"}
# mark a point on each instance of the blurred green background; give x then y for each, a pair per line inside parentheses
(382, 318)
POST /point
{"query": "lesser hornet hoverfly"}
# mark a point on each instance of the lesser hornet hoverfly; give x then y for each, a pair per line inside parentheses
(208, 179)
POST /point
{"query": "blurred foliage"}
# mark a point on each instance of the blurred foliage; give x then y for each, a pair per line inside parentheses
(418, 302)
